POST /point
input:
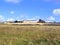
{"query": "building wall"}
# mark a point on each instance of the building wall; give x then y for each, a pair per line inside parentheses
(29, 21)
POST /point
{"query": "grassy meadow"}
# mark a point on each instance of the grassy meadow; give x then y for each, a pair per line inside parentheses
(29, 35)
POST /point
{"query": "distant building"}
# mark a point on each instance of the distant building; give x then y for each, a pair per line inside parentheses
(7, 22)
(18, 21)
(25, 21)
(29, 21)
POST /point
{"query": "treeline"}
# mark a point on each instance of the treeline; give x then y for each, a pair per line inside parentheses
(39, 21)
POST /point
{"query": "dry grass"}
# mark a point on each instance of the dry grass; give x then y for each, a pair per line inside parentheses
(29, 35)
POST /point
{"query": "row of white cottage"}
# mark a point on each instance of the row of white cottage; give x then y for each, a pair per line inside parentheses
(24, 21)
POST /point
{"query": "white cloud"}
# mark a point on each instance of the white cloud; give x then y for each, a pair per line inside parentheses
(27, 17)
(36, 17)
(47, 0)
(2, 18)
(13, 1)
(51, 18)
(57, 1)
(54, 1)
(22, 17)
(56, 11)
(12, 12)
(10, 19)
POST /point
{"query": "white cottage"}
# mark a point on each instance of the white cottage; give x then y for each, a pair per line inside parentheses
(29, 21)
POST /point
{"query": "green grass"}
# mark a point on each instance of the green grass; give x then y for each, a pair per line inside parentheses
(29, 35)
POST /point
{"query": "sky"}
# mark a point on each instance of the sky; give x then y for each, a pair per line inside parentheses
(48, 10)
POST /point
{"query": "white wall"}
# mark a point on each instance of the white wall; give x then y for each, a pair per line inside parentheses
(29, 21)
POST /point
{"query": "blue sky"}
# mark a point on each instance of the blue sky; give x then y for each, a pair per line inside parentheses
(48, 10)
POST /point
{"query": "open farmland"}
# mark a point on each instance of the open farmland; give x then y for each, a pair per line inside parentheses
(29, 35)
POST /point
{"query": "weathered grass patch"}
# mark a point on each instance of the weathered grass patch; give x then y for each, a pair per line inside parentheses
(29, 35)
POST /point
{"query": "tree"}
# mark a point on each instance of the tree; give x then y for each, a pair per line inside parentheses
(41, 21)
(16, 21)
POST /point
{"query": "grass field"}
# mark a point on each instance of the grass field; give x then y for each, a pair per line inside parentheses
(29, 35)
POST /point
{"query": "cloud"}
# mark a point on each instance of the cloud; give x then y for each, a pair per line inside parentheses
(54, 1)
(10, 19)
(13, 1)
(2, 18)
(27, 17)
(51, 18)
(56, 11)
(36, 17)
(57, 1)
(12, 12)
(47, 0)
(22, 17)
(33, 18)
